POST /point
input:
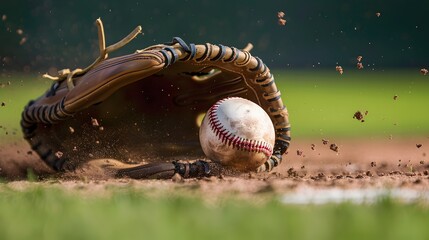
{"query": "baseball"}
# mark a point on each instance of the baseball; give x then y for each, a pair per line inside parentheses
(237, 133)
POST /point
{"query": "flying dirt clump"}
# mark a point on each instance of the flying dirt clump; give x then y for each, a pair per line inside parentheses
(360, 116)
(359, 64)
(339, 69)
(281, 21)
(94, 122)
(334, 147)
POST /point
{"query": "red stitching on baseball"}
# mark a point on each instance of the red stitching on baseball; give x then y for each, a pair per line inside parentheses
(230, 139)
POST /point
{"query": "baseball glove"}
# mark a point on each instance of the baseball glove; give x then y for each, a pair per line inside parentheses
(146, 107)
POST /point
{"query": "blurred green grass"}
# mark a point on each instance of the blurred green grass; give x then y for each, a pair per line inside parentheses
(321, 103)
(15, 93)
(50, 213)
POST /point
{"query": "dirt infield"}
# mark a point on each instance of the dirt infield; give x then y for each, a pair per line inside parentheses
(370, 163)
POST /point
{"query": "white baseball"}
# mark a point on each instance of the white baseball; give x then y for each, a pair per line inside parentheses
(238, 133)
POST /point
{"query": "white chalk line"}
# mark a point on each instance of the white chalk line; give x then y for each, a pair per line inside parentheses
(356, 196)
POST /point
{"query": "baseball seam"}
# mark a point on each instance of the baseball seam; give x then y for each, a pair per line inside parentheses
(229, 138)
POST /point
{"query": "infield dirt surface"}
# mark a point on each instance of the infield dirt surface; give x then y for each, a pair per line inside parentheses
(358, 164)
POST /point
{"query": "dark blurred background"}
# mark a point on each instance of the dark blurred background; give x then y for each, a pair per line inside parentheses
(46, 35)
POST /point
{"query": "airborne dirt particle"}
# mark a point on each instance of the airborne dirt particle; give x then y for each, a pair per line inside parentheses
(359, 64)
(280, 16)
(359, 116)
(325, 141)
(419, 145)
(58, 154)
(23, 40)
(359, 58)
(334, 147)
(94, 122)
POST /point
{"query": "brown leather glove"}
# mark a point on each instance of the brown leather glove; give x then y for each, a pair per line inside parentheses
(146, 107)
